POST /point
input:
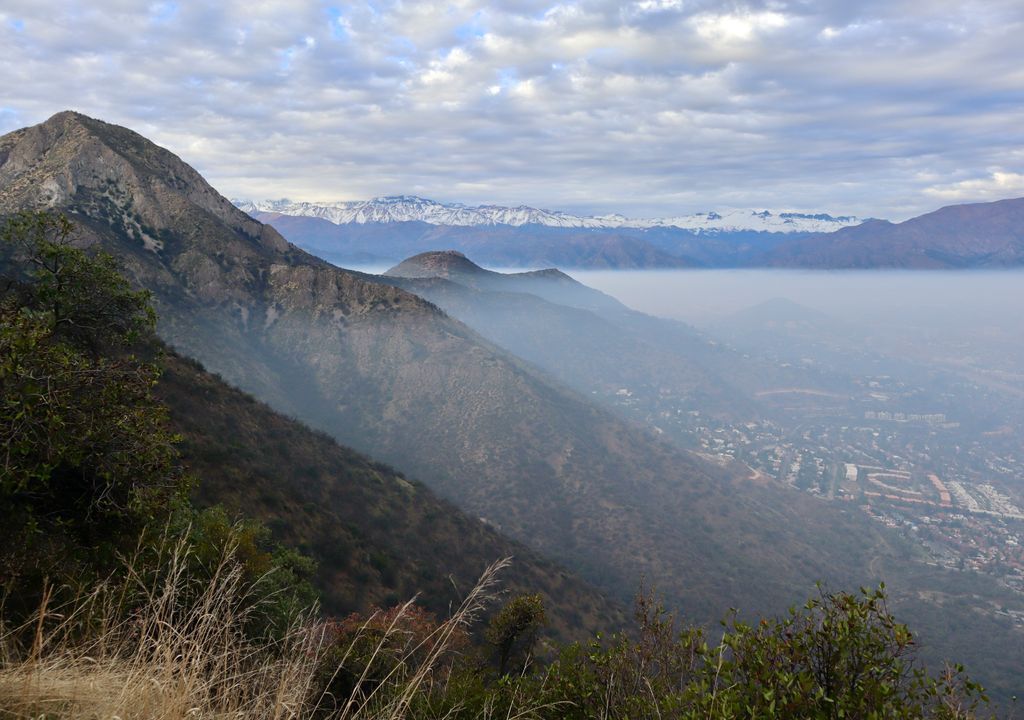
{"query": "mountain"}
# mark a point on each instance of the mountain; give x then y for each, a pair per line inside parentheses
(392, 375)
(958, 236)
(387, 229)
(551, 284)
(498, 245)
(409, 208)
(378, 537)
(586, 339)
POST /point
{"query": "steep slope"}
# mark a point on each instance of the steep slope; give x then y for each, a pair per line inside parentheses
(957, 236)
(550, 284)
(378, 537)
(392, 375)
(586, 339)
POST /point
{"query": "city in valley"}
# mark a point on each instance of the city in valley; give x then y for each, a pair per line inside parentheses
(917, 447)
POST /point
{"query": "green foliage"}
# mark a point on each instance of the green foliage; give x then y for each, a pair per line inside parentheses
(839, 656)
(88, 299)
(89, 471)
(88, 458)
(513, 631)
(842, 655)
(277, 578)
(647, 674)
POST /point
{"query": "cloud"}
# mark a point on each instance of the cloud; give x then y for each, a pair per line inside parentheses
(730, 27)
(997, 185)
(650, 107)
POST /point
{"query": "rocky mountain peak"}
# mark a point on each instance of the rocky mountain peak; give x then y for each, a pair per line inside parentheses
(172, 231)
(436, 263)
(112, 175)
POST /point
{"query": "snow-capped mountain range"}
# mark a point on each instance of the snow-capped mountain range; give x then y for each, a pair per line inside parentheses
(409, 208)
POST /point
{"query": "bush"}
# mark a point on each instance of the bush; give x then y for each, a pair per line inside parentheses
(89, 461)
(513, 632)
(90, 473)
(840, 656)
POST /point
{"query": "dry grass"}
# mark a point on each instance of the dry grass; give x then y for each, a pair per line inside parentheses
(179, 654)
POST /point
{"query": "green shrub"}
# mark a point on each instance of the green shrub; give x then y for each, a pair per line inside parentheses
(89, 473)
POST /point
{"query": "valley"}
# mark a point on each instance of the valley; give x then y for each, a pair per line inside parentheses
(465, 360)
(618, 444)
(799, 401)
(928, 448)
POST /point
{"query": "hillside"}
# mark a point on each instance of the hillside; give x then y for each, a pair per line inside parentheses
(586, 339)
(392, 375)
(378, 537)
(978, 235)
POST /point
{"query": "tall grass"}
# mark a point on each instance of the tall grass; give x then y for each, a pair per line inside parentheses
(166, 650)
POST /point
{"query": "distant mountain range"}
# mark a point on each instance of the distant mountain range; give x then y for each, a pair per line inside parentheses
(385, 230)
(409, 208)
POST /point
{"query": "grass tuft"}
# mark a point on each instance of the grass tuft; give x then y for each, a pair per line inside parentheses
(165, 649)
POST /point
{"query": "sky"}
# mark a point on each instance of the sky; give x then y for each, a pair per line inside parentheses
(883, 108)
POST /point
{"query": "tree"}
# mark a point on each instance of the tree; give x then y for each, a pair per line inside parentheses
(88, 460)
(513, 631)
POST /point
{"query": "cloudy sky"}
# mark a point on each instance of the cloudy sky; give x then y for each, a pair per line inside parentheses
(654, 107)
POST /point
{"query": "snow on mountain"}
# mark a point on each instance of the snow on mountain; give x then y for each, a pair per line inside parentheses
(407, 208)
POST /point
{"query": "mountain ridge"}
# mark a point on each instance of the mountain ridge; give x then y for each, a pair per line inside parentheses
(967, 235)
(549, 283)
(987, 234)
(392, 375)
(411, 208)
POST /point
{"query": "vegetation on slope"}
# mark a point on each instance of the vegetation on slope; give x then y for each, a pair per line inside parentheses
(90, 474)
(839, 656)
(390, 374)
(149, 608)
(377, 536)
(143, 412)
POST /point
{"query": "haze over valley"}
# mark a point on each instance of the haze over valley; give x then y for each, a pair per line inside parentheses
(915, 372)
(900, 394)
(738, 459)
(555, 361)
